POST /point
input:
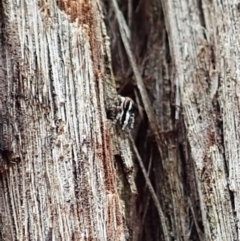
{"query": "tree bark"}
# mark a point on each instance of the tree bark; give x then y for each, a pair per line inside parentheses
(204, 45)
(58, 151)
(68, 173)
(187, 53)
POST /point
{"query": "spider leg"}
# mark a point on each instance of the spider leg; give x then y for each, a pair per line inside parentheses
(132, 121)
(126, 120)
(117, 118)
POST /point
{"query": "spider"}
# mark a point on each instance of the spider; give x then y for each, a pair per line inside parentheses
(125, 112)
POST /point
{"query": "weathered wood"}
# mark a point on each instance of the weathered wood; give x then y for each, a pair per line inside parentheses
(58, 180)
(191, 73)
(204, 47)
(67, 173)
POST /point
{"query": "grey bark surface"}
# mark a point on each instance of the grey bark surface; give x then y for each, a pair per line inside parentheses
(204, 45)
(187, 53)
(67, 173)
(58, 174)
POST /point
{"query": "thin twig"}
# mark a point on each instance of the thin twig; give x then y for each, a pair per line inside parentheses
(200, 233)
(151, 190)
(124, 31)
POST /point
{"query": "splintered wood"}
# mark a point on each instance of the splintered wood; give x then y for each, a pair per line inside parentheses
(204, 43)
(58, 181)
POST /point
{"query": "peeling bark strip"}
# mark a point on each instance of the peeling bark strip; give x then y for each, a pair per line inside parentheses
(52, 106)
(204, 40)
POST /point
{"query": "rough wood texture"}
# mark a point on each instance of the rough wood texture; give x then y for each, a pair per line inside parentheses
(58, 180)
(67, 173)
(204, 46)
(188, 54)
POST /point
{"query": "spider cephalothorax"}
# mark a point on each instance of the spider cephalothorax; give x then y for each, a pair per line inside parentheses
(122, 112)
(125, 112)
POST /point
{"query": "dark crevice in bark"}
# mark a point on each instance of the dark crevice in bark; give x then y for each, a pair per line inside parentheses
(151, 51)
(201, 17)
(75, 172)
(5, 152)
(2, 74)
(28, 226)
(2, 23)
(52, 86)
(221, 144)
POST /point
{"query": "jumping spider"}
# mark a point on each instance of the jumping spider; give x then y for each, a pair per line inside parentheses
(123, 112)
